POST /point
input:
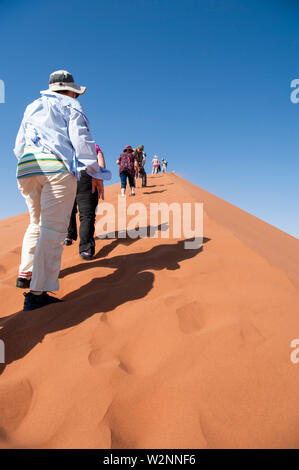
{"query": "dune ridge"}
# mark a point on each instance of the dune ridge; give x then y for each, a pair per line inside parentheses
(156, 346)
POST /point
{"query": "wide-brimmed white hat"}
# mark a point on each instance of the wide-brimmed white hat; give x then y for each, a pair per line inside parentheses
(62, 80)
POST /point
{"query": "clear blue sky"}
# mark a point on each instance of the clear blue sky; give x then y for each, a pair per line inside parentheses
(205, 83)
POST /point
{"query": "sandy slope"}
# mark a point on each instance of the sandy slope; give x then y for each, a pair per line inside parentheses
(155, 345)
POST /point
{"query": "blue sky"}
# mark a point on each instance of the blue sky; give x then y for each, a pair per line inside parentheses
(205, 83)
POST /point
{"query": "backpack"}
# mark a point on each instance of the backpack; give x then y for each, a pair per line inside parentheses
(139, 158)
(126, 162)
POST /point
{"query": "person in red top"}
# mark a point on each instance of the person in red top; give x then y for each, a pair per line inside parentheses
(87, 201)
(128, 167)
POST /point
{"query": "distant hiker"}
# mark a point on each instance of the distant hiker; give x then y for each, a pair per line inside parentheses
(155, 164)
(164, 165)
(87, 202)
(140, 157)
(128, 166)
(53, 146)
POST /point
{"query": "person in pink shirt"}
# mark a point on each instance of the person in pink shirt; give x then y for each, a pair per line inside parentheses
(86, 201)
(155, 163)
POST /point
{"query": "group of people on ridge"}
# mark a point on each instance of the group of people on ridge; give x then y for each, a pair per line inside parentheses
(60, 171)
(157, 165)
(131, 163)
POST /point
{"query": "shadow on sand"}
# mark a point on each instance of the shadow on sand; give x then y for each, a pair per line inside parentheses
(131, 279)
(154, 192)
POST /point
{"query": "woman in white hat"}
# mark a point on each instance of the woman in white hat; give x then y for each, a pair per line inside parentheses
(53, 146)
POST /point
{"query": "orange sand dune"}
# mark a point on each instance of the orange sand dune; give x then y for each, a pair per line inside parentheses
(156, 346)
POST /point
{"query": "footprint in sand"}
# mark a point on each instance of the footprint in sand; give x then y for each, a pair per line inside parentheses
(15, 401)
(191, 318)
(98, 357)
(249, 333)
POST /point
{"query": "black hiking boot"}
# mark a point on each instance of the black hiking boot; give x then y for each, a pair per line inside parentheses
(33, 301)
(23, 283)
(87, 255)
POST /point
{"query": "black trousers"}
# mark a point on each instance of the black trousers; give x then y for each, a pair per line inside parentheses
(142, 173)
(87, 204)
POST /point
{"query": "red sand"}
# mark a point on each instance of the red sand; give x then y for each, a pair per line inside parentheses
(157, 346)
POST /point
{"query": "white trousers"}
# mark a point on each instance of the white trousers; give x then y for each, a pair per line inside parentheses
(50, 200)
